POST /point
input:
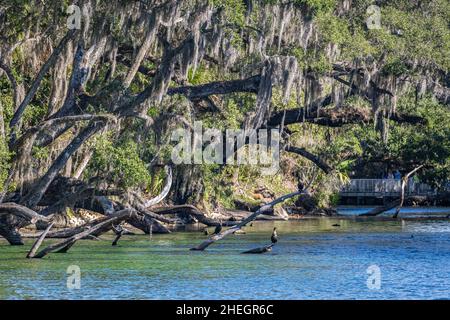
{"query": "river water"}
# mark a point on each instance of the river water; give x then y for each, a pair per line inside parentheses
(312, 260)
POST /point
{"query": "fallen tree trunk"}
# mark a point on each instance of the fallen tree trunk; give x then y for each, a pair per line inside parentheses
(190, 210)
(379, 210)
(21, 211)
(402, 193)
(38, 242)
(13, 216)
(396, 203)
(244, 222)
(102, 226)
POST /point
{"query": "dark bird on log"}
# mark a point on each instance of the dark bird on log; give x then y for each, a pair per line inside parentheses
(218, 228)
(274, 237)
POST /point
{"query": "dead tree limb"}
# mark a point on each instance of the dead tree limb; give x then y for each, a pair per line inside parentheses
(247, 220)
(12, 216)
(379, 210)
(321, 163)
(40, 76)
(35, 195)
(396, 203)
(402, 193)
(38, 242)
(21, 211)
(219, 87)
(104, 225)
(259, 250)
(165, 191)
(190, 210)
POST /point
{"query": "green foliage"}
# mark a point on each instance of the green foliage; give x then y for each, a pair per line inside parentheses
(407, 145)
(5, 157)
(318, 6)
(120, 163)
(234, 10)
(320, 64)
(333, 29)
(40, 153)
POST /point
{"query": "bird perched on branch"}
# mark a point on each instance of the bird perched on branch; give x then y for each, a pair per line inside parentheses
(274, 237)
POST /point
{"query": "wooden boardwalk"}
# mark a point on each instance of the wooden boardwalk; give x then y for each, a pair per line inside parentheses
(384, 188)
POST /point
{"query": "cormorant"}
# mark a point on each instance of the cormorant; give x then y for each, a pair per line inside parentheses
(218, 228)
(274, 237)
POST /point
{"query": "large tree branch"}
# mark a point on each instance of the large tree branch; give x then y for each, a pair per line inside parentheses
(322, 164)
(13, 81)
(33, 197)
(335, 117)
(55, 122)
(21, 211)
(38, 79)
(218, 87)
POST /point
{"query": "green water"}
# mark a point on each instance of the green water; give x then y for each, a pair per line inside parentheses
(313, 260)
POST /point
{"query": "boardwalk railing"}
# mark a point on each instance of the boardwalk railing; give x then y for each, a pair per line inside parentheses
(384, 187)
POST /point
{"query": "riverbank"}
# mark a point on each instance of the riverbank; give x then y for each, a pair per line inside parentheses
(344, 213)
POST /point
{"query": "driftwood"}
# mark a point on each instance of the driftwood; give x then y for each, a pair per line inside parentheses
(104, 225)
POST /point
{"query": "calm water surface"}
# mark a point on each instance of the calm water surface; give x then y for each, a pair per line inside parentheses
(313, 260)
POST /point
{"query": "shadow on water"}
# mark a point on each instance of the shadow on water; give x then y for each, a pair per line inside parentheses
(314, 259)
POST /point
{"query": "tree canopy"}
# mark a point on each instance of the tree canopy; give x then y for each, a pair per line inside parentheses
(97, 105)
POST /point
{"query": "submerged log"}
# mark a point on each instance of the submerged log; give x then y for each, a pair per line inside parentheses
(259, 250)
